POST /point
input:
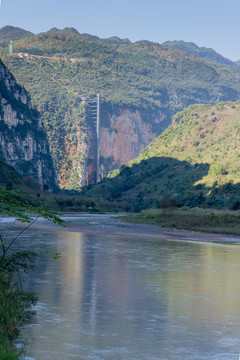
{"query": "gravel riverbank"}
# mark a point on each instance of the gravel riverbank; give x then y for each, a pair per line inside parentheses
(111, 224)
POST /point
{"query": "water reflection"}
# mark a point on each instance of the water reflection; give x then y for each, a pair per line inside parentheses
(116, 298)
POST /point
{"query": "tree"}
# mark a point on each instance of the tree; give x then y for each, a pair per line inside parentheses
(13, 300)
(14, 203)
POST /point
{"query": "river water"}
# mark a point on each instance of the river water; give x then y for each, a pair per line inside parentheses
(113, 297)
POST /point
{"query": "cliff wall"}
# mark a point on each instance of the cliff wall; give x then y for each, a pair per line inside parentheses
(23, 142)
(124, 132)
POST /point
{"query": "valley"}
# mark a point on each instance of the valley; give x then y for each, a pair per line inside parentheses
(141, 85)
(97, 129)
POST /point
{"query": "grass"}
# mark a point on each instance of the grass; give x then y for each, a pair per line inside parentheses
(205, 220)
(13, 303)
(10, 316)
(7, 354)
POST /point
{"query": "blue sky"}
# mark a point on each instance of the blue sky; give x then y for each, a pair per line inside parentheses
(209, 23)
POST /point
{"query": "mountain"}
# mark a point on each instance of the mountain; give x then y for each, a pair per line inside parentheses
(118, 40)
(195, 162)
(141, 85)
(71, 30)
(201, 52)
(23, 142)
(66, 30)
(8, 33)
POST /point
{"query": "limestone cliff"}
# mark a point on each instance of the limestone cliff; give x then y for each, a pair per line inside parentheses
(124, 132)
(23, 142)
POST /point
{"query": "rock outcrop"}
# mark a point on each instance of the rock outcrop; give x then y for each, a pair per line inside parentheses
(23, 142)
(124, 132)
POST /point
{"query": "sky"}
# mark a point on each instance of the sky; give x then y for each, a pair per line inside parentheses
(209, 23)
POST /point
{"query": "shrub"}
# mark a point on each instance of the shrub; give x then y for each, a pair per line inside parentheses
(167, 202)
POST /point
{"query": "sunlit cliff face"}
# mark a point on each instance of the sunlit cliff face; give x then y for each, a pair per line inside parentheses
(125, 134)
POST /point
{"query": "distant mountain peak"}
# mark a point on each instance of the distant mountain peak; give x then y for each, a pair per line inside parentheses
(8, 33)
(53, 30)
(182, 43)
(69, 30)
(90, 37)
(119, 40)
(200, 52)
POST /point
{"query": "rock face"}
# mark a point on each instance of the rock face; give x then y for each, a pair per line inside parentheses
(23, 142)
(124, 132)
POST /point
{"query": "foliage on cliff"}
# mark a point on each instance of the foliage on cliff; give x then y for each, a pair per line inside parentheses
(195, 162)
(141, 75)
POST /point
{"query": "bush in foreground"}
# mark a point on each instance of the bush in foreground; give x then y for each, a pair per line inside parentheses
(13, 300)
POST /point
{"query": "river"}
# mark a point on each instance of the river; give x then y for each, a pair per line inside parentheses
(116, 297)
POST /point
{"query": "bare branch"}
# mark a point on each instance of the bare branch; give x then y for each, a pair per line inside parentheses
(2, 244)
(12, 225)
(21, 232)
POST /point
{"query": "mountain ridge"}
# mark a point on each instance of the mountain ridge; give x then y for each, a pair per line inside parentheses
(8, 33)
(141, 86)
(200, 52)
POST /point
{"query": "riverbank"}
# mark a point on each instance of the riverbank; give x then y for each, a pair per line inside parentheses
(203, 220)
(132, 226)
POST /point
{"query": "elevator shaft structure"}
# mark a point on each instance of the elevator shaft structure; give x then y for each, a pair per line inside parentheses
(11, 47)
(98, 135)
(94, 112)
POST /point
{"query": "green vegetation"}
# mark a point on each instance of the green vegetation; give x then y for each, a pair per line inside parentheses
(8, 33)
(13, 304)
(201, 52)
(142, 75)
(63, 201)
(207, 220)
(13, 300)
(195, 162)
(8, 175)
